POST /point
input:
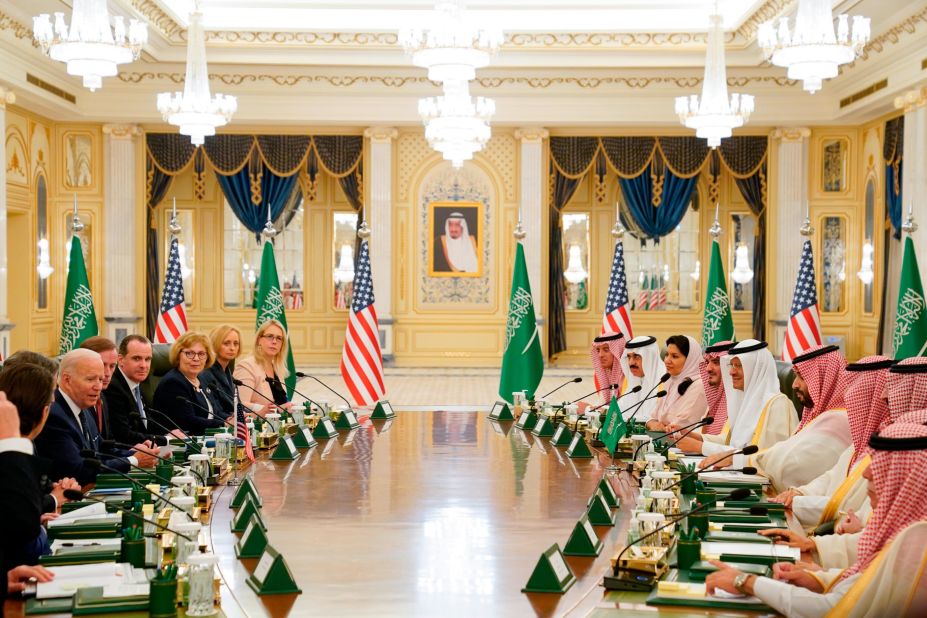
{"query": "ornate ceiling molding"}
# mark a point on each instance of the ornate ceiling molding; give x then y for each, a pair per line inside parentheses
(19, 30)
(893, 35)
(771, 9)
(488, 82)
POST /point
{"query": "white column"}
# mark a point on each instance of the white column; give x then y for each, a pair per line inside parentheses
(6, 96)
(379, 215)
(784, 255)
(533, 183)
(913, 188)
(121, 212)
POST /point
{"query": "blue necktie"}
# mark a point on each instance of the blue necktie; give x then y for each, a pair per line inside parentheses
(141, 406)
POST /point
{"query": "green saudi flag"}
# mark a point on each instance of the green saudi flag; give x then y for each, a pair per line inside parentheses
(614, 428)
(80, 320)
(270, 306)
(522, 363)
(910, 335)
(717, 324)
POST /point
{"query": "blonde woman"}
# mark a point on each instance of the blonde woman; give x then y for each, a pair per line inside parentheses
(180, 395)
(217, 378)
(268, 360)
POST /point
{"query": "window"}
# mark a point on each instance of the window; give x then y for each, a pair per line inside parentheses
(43, 259)
(186, 247)
(833, 260)
(344, 226)
(664, 275)
(242, 258)
(744, 228)
(576, 261)
(865, 272)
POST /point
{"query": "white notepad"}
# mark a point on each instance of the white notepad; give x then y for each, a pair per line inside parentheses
(718, 548)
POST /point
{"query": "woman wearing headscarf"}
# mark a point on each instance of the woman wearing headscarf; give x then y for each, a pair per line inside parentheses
(709, 370)
(889, 577)
(684, 402)
(758, 413)
(642, 367)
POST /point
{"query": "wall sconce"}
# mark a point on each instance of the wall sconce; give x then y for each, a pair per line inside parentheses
(344, 273)
(44, 268)
(575, 273)
(865, 273)
(695, 274)
(742, 273)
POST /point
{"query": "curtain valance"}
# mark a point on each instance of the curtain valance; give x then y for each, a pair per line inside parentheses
(284, 155)
(629, 156)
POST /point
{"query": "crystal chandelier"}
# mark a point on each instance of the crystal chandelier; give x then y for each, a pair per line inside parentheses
(713, 116)
(865, 273)
(450, 48)
(194, 110)
(456, 124)
(91, 48)
(811, 51)
(575, 273)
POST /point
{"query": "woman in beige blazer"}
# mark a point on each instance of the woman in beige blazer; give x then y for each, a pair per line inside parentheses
(268, 360)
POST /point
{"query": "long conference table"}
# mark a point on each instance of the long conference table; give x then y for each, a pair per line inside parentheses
(430, 514)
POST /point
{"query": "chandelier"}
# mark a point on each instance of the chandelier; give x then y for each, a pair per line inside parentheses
(713, 116)
(91, 48)
(194, 110)
(456, 124)
(811, 51)
(450, 48)
(742, 273)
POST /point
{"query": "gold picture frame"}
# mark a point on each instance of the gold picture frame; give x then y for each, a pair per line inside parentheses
(440, 258)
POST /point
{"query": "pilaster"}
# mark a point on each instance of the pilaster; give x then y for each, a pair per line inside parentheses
(380, 218)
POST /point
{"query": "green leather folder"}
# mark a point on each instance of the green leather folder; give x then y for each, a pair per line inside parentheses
(79, 557)
(92, 601)
(84, 531)
(733, 517)
(713, 603)
(734, 536)
(35, 607)
(700, 570)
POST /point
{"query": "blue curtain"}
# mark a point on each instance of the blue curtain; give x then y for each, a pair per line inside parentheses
(275, 190)
(893, 199)
(657, 221)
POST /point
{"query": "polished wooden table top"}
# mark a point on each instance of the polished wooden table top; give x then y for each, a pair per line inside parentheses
(435, 514)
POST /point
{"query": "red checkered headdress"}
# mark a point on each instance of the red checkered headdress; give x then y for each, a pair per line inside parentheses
(867, 411)
(907, 386)
(821, 368)
(615, 343)
(717, 401)
(899, 468)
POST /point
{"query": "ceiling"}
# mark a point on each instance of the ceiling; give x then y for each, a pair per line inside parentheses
(565, 64)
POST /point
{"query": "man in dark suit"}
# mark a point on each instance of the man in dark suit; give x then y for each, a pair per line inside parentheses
(106, 348)
(20, 499)
(71, 428)
(128, 414)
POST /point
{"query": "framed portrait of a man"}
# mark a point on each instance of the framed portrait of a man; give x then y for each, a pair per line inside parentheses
(455, 232)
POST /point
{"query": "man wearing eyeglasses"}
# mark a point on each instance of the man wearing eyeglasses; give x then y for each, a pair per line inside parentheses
(128, 411)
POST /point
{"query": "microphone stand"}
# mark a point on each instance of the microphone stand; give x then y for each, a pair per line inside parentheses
(73, 494)
(135, 482)
(259, 393)
(300, 374)
(159, 458)
(189, 442)
(277, 381)
(573, 381)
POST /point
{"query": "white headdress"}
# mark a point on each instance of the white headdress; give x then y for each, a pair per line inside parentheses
(653, 368)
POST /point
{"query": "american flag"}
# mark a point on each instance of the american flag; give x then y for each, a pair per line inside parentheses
(361, 359)
(643, 297)
(172, 322)
(617, 315)
(804, 330)
(241, 429)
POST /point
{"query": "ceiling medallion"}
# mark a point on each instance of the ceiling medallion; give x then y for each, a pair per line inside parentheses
(91, 48)
(194, 110)
(811, 51)
(713, 116)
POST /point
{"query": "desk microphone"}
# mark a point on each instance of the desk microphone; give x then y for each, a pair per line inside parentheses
(643, 581)
(273, 403)
(642, 402)
(76, 495)
(691, 427)
(636, 389)
(604, 388)
(708, 421)
(663, 378)
(277, 381)
(688, 475)
(113, 443)
(750, 449)
(573, 381)
(97, 463)
(190, 443)
(300, 374)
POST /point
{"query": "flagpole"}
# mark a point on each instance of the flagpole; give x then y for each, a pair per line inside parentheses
(909, 227)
